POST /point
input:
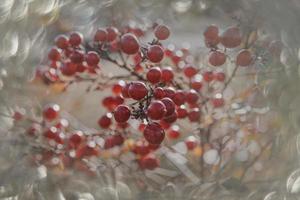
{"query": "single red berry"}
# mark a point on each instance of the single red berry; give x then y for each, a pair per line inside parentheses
(51, 133)
(118, 100)
(169, 92)
(149, 162)
(170, 105)
(217, 58)
(191, 143)
(179, 97)
(244, 58)
(51, 112)
(231, 37)
(182, 112)
(208, 76)
(137, 90)
(68, 69)
(92, 58)
(81, 67)
(101, 35)
(162, 32)
(141, 147)
(219, 76)
(171, 118)
(192, 97)
(167, 74)
(173, 134)
(75, 139)
(196, 85)
(154, 133)
(75, 39)
(194, 115)
(189, 71)
(77, 56)
(62, 41)
(155, 53)
(129, 44)
(118, 87)
(159, 93)
(109, 142)
(211, 36)
(112, 34)
(105, 121)
(122, 113)
(164, 125)
(125, 91)
(54, 54)
(154, 75)
(217, 102)
(156, 110)
(109, 102)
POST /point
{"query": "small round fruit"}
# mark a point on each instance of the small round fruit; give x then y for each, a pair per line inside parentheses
(217, 58)
(211, 36)
(231, 37)
(171, 118)
(137, 90)
(125, 91)
(92, 58)
(244, 58)
(149, 162)
(167, 74)
(219, 76)
(129, 44)
(217, 102)
(179, 97)
(62, 42)
(196, 85)
(101, 35)
(104, 121)
(155, 53)
(122, 114)
(154, 133)
(170, 105)
(159, 93)
(156, 110)
(169, 92)
(208, 76)
(77, 57)
(68, 69)
(181, 112)
(51, 111)
(154, 75)
(192, 97)
(112, 34)
(162, 32)
(194, 115)
(189, 71)
(54, 54)
(75, 39)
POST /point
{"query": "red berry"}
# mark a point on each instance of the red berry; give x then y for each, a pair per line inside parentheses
(125, 91)
(155, 53)
(118, 87)
(109, 142)
(81, 67)
(129, 44)
(118, 100)
(159, 93)
(231, 37)
(167, 74)
(122, 113)
(189, 71)
(244, 58)
(54, 54)
(171, 118)
(68, 69)
(170, 105)
(154, 75)
(154, 133)
(217, 102)
(211, 36)
(191, 143)
(51, 133)
(162, 32)
(62, 41)
(208, 76)
(179, 97)
(141, 148)
(92, 58)
(75, 139)
(105, 121)
(217, 58)
(112, 34)
(219, 76)
(101, 35)
(181, 112)
(75, 39)
(196, 85)
(137, 90)
(156, 110)
(77, 57)
(149, 162)
(169, 92)
(109, 102)
(192, 97)
(173, 134)
(194, 115)
(51, 112)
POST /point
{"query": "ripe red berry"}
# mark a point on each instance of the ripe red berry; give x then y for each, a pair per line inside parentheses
(219, 76)
(125, 89)
(159, 93)
(167, 74)
(77, 56)
(109, 142)
(244, 58)
(75, 139)
(118, 100)
(54, 54)
(51, 112)
(154, 75)
(191, 143)
(179, 97)
(118, 87)
(194, 115)
(171, 118)
(109, 102)
(231, 37)
(211, 36)
(141, 147)
(217, 102)
(149, 162)
(62, 41)
(137, 90)
(162, 32)
(173, 134)
(208, 76)
(68, 69)
(75, 39)
(181, 112)
(169, 92)
(196, 84)
(105, 121)
(192, 97)
(217, 58)
(100, 35)
(92, 58)
(154, 133)
(155, 53)
(170, 105)
(81, 67)
(189, 71)
(112, 34)
(156, 110)
(122, 113)
(129, 44)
